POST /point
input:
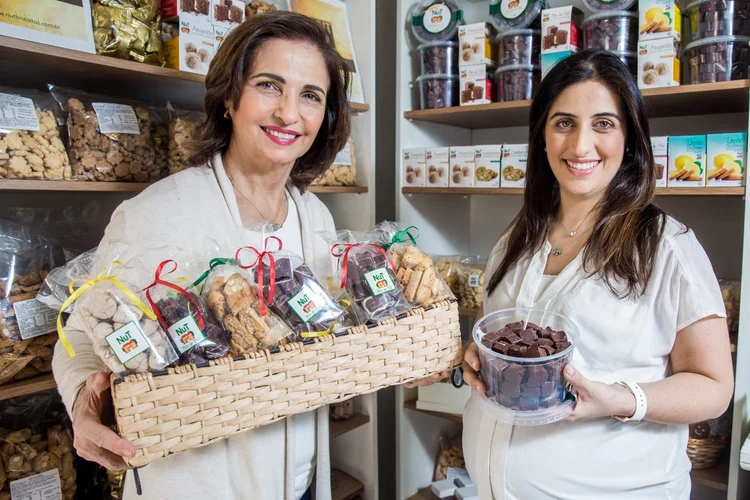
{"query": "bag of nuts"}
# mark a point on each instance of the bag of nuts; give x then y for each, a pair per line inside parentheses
(447, 267)
(108, 139)
(451, 456)
(183, 130)
(30, 144)
(471, 282)
(343, 171)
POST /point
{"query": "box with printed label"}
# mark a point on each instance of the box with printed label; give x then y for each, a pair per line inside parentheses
(725, 159)
(59, 23)
(687, 161)
(659, 19)
(513, 165)
(487, 161)
(550, 59)
(462, 166)
(476, 85)
(413, 167)
(227, 12)
(193, 49)
(475, 42)
(658, 63)
(437, 161)
(561, 29)
(659, 147)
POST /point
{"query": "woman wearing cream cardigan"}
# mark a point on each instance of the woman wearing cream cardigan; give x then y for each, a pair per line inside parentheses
(277, 114)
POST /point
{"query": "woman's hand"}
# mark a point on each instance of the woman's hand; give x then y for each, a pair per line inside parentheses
(94, 441)
(432, 379)
(471, 368)
(595, 399)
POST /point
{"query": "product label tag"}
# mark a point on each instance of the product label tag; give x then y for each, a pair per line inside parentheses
(305, 304)
(185, 334)
(18, 113)
(34, 318)
(116, 118)
(511, 9)
(127, 342)
(436, 18)
(379, 281)
(44, 486)
(344, 157)
(473, 281)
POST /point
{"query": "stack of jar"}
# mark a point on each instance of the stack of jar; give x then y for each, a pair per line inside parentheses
(613, 27)
(659, 39)
(518, 43)
(435, 24)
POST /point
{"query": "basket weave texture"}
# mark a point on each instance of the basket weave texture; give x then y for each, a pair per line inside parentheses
(189, 406)
(705, 453)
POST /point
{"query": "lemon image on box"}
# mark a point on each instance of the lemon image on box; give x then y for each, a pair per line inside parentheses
(659, 19)
(687, 166)
(726, 157)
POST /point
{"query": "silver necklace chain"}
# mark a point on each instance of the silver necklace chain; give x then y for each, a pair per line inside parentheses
(275, 225)
(558, 249)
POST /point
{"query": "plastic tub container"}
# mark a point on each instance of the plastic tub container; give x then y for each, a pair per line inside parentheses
(436, 20)
(518, 47)
(517, 82)
(520, 390)
(708, 18)
(438, 91)
(602, 5)
(630, 59)
(616, 31)
(439, 58)
(514, 14)
(718, 59)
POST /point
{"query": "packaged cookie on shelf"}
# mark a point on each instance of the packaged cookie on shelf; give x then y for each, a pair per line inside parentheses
(30, 144)
(438, 166)
(343, 170)
(513, 165)
(255, 7)
(476, 85)
(436, 20)
(725, 159)
(477, 44)
(471, 282)
(413, 166)
(658, 63)
(660, 19)
(462, 166)
(730, 290)
(129, 30)
(160, 136)
(661, 159)
(108, 139)
(687, 161)
(450, 458)
(487, 160)
(447, 266)
(183, 130)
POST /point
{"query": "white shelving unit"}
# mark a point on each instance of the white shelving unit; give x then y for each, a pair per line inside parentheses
(470, 224)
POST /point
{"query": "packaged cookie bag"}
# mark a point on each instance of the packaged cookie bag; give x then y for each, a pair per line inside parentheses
(30, 144)
(471, 282)
(292, 291)
(183, 130)
(124, 331)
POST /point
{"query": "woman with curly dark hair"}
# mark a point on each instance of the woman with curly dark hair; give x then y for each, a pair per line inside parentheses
(277, 114)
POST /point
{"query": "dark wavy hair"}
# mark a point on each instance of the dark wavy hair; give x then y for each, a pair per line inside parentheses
(230, 70)
(629, 226)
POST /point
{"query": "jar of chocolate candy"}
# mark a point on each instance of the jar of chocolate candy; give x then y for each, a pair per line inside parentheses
(708, 18)
(718, 59)
(602, 5)
(436, 20)
(517, 82)
(438, 91)
(439, 58)
(523, 353)
(514, 14)
(518, 47)
(616, 31)
(630, 59)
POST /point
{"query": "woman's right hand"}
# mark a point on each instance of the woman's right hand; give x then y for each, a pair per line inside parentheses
(93, 440)
(471, 367)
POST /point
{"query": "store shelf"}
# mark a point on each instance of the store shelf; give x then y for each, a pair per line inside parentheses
(412, 405)
(344, 486)
(706, 98)
(715, 477)
(704, 191)
(337, 189)
(28, 386)
(337, 428)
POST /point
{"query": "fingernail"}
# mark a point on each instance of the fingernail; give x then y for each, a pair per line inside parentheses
(569, 370)
(475, 365)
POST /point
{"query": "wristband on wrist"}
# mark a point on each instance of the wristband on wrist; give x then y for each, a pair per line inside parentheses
(641, 404)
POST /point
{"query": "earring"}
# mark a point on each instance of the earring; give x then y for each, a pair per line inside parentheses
(227, 115)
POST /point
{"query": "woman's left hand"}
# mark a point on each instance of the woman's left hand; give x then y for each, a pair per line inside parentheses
(595, 399)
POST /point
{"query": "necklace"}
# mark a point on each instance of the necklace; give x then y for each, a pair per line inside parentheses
(558, 250)
(274, 225)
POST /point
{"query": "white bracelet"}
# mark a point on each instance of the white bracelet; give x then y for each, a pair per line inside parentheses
(641, 404)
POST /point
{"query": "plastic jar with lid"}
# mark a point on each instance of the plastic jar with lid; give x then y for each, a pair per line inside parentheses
(517, 82)
(436, 20)
(718, 59)
(607, 5)
(617, 31)
(514, 14)
(519, 46)
(709, 18)
(438, 91)
(438, 58)
(630, 59)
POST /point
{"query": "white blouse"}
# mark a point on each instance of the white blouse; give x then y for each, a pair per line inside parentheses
(621, 339)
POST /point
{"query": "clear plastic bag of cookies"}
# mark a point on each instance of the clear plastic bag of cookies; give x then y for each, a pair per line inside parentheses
(450, 456)
(471, 282)
(108, 139)
(447, 267)
(341, 410)
(730, 290)
(343, 171)
(160, 135)
(183, 130)
(30, 142)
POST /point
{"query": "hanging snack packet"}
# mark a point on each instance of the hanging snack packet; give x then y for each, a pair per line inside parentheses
(183, 314)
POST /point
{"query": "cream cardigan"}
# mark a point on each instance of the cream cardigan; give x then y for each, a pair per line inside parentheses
(198, 205)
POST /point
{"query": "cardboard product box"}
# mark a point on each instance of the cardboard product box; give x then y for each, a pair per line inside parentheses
(438, 165)
(462, 166)
(476, 44)
(487, 160)
(659, 146)
(65, 24)
(561, 29)
(687, 161)
(513, 165)
(658, 63)
(659, 19)
(413, 167)
(193, 49)
(227, 12)
(476, 85)
(549, 60)
(169, 9)
(443, 397)
(726, 159)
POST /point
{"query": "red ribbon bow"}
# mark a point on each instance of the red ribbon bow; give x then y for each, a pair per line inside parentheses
(345, 254)
(176, 288)
(259, 262)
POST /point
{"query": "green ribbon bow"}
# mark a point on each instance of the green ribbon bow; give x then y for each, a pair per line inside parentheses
(211, 265)
(402, 237)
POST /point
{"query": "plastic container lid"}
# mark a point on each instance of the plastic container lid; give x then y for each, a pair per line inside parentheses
(436, 20)
(598, 5)
(437, 44)
(527, 418)
(516, 67)
(522, 32)
(610, 13)
(513, 14)
(693, 5)
(718, 39)
(436, 77)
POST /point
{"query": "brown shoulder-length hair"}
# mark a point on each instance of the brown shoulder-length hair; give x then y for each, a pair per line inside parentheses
(629, 227)
(230, 70)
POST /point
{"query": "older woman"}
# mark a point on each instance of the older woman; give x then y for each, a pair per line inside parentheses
(277, 114)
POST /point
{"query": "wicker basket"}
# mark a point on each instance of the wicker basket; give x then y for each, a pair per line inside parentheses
(190, 406)
(705, 453)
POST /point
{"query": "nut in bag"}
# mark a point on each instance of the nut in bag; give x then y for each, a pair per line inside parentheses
(471, 282)
(343, 170)
(183, 130)
(447, 267)
(183, 314)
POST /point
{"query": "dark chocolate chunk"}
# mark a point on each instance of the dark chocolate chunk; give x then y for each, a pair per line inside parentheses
(501, 347)
(719, 18)
(530, 391)
(545, 341)
(510, 390)
(511, 339)
(491, 337)
(526, 403)
(516, 327)
(528, 334)
(514, 374)
(517, 350)
(547, 389)
(533, 326)
(559, 337)
(717, 61)
(615, 31)
(534, 351)
(561, 346)
(536, 375)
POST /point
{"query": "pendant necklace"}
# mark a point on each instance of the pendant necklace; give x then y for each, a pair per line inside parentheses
(274, 225)
(558, 250)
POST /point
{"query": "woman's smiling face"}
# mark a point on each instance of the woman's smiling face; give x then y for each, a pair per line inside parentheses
(585, 138)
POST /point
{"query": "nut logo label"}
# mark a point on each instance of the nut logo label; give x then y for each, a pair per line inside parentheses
(127, 342)
(379, 281)
(473, 281)
(305, 304)
(185, 334)
(436, 18)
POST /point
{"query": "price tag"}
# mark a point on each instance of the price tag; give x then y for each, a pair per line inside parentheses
(18, 113)
(44, 486)
(116, 118)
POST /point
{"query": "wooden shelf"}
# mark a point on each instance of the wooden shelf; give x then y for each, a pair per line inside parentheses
(33, 65)
(704, 191)
(424, 494)
(338, 189)
(344, 486)
(28, 386)
(715, 477)
(412, 405)
(705, 98)
(465, 311)
(337, 428)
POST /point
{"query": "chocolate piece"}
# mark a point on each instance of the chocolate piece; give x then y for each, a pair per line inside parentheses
(510, 390)
(709, 18)
(501, 347)
(529, 334)
(517, 350)
(439, 58)
(545, 341)
(615, 31)
(519, 47)
(717, 61)
(547, 389)
(514, 374)
(516, 327)
(438, 92)
(547, 350)
(511, 338)
(559, 337)
(516, 83)
(491, 337)
(505, 401)
(487, 343)
(536, 375)
(534, 351)
(533, 326)
(561, 346)
(526, 403)
(530, 391)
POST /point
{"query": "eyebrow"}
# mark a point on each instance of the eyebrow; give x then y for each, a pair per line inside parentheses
(597, 115)
(281, 79)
